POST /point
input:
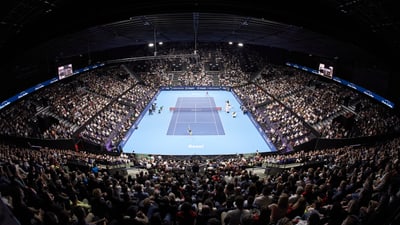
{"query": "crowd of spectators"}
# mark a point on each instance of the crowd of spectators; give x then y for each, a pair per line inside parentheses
(343, 186)
(347, 185)
(100, 106)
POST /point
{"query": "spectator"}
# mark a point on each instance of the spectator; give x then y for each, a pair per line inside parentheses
(279, 210)
(186, 215)
(235, 216)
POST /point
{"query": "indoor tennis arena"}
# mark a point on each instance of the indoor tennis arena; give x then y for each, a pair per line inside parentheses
(199, 113)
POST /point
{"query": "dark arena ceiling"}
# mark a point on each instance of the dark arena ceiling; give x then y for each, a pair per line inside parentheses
(36, 35)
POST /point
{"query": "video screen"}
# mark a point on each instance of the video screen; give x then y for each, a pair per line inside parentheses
(65, 71)
(325, 70)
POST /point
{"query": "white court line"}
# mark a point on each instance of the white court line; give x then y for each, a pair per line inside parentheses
(177, 117)
(195, 113)
(179, 105)
(213, 115)
(197, 122)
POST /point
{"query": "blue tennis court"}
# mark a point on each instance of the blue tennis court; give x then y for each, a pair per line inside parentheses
(195, 116)
(216, 129)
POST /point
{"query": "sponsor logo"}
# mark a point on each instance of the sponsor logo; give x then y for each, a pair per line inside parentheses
(195, 146)
(4, 104)
(22, 94)
(368, 93)
(337, 79)
(388, 103)
(38, 87)
(351, 85)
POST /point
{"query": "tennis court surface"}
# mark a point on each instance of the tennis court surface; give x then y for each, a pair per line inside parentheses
(195, 116)
(215, 131)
